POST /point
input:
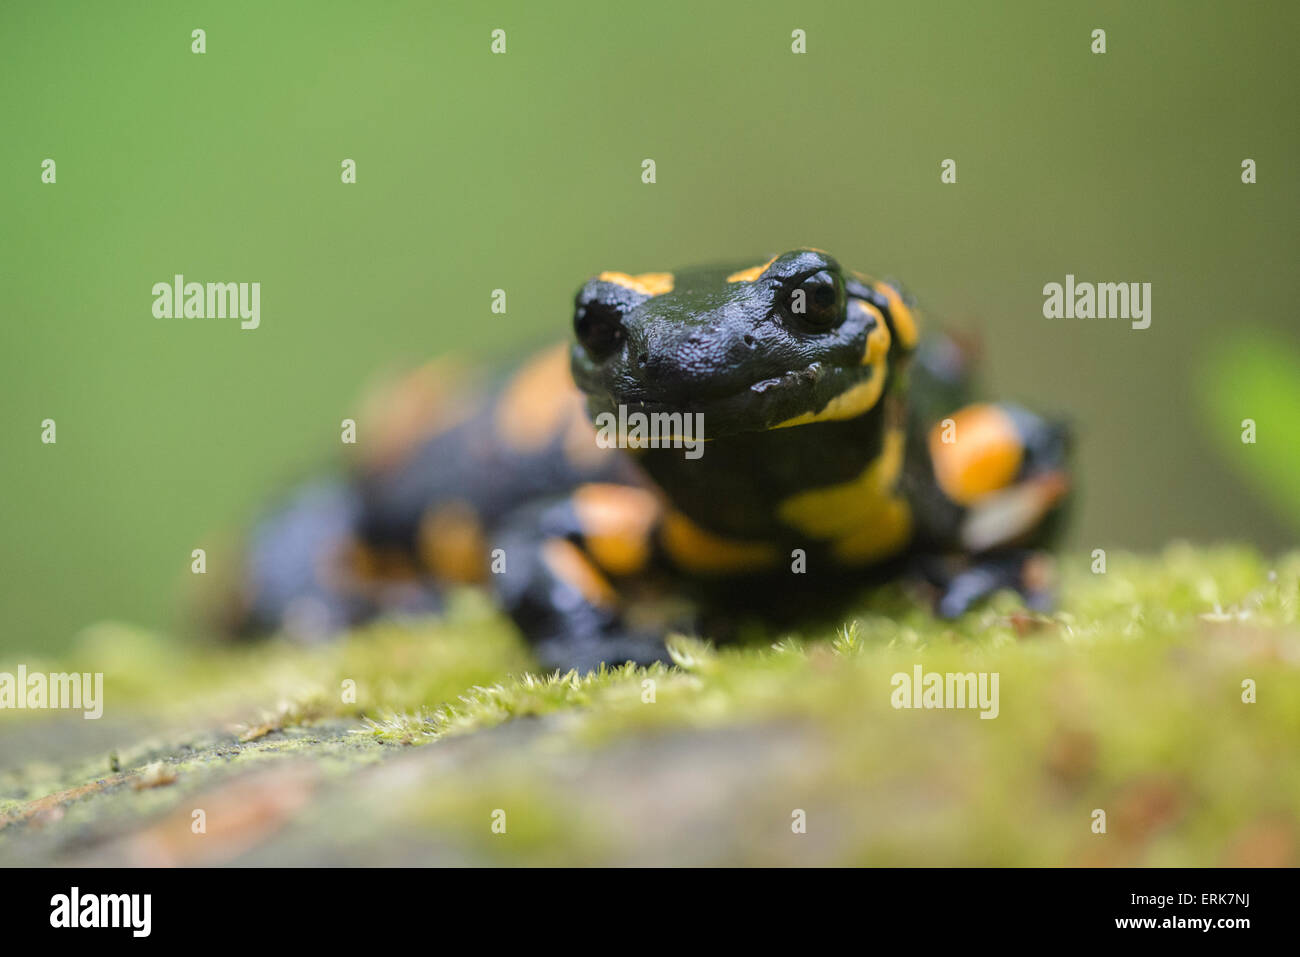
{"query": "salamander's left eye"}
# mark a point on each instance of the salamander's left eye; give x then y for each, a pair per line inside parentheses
(818, 300)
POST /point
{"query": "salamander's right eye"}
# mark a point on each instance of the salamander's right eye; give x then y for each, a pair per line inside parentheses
(818, 300)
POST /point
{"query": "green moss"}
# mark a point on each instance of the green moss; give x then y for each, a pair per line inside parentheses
(1129, 699)
(388, 665)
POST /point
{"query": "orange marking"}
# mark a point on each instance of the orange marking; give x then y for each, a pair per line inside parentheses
(580, 446)
(834, 511)
(850, 403)
(647, 283)
(878, 339)
(887, 533)
(375, 565)
(538, 402)
(698, 550)
(904, 320)
(1011, 514)
(396, 417)
(616, 522)
(451, 543)
(567, 563)
(752, 273)
(984, 456)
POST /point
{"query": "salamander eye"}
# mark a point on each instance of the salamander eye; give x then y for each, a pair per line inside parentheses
(599, 327)
(818, 300)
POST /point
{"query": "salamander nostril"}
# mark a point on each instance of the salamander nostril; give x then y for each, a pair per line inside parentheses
(749, 341)
(599, 328)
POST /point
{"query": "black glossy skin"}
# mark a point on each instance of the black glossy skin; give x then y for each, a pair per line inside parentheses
(745, 355)
(732, 350)
(736, 353)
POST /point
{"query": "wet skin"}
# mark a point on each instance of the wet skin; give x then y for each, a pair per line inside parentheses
(841, 448)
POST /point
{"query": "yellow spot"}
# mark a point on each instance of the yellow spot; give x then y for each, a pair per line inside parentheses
(849, 404)
(451, 543)
(885, 535)
(985, 455)
(863, 395)
(864, 517)
(835, 510)
(878, 339)
(904, 320)
(616, 522)
(567, 563)
(752, 273)
(538, 402)
(647, 283)
(703, 552)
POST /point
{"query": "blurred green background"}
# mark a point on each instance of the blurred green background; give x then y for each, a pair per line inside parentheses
(522, 172)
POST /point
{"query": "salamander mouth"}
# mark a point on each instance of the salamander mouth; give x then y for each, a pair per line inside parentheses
(773, 402)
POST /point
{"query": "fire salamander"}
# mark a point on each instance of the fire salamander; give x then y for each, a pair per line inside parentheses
(811, 442)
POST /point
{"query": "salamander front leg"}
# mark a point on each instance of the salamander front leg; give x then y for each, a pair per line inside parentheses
(566, 606)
